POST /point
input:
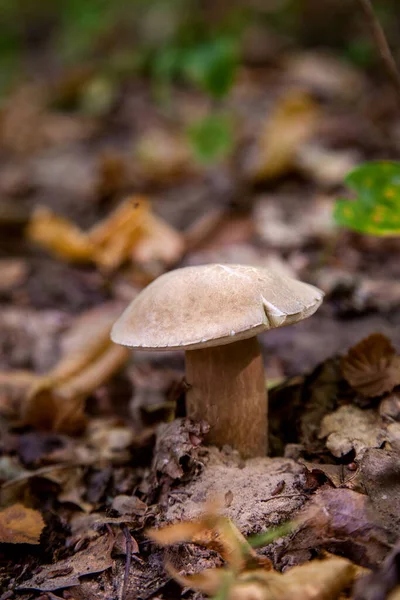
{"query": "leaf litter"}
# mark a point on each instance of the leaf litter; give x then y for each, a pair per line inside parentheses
(81, 442)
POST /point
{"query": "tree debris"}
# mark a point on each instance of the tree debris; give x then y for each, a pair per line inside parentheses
(372, 367)
(20, 525)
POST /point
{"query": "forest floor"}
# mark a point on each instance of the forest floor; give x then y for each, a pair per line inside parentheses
(95, 447)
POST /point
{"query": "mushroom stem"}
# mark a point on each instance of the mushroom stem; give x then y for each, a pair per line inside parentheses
(227, 389)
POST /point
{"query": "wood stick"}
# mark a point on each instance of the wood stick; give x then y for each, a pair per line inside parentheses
(379, 37)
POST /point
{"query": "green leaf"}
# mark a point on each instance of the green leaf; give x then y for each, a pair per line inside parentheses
(212, 65)
(376, 209)
(211, 138)
(265, 538)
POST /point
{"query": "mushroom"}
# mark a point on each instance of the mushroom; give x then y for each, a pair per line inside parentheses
(215, 312)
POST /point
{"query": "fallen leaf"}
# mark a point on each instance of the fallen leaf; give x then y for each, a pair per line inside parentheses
(162, 156)
(112, 175)
(20, 525)
(59, 236)
(131, 231)
(280, 225)
(22, 119)
(13, 271)
(372, 367)
(129, 505)
(215, 532)
(322, 579)
(325, 74)
(338, 475)
(350, 428)
(291, 124)
(380, 480)
(66, 573)
(55, 401)
(376, 208)
(342, 518)
(379, 584)
(325, 166)
(160, 242)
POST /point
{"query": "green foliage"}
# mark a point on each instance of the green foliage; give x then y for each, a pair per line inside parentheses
(211, 138)
(265, 538)
(212, 65)
(376, 209)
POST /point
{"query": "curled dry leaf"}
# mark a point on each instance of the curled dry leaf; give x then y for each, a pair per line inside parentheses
(13, 271)
(132, 232)
(216, 533)
(343, 518)
(56, 400)
(322, 579)
(325, 166)
(162, 156)
(20, 525)
(291, 124)
(372, 367)
(58, 235)
(382, 583)
(65, 573)
(351, 428)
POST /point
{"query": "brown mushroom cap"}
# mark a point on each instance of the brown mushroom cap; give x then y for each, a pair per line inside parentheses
(212, 305)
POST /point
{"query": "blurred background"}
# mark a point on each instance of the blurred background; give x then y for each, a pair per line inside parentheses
(138, 136)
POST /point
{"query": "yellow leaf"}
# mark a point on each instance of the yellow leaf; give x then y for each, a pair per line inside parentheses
(291, 124)
(20, 525)
(59, 236)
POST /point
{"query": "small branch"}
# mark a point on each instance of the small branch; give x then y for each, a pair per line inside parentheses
(128, 541)
(381, 43)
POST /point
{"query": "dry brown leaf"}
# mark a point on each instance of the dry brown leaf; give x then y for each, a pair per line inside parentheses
(160, 242)
(291, 124)
(208, 581)
(59, 236)
(131, 232)
(323, 579)
(162, 156)
(343, 517)
(177, 532)
(325, 166)
(247, 575)
(20, 525)
(319, 579)
(372, 367)
(21, 120)
(45, 410)
(56, 401)
(14, 388)
(112, 174)
(216, 533)
(350, 428)
(65, 573)
(338, 475)
(325, 74)
(114, 237)
(13, 271)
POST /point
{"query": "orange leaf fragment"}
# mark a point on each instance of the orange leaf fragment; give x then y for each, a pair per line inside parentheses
(291, 124)
(20, 525)
(59, 236)
(216, 533)
(372, 367)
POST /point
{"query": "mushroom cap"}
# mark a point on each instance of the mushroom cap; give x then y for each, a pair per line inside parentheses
(212, 305)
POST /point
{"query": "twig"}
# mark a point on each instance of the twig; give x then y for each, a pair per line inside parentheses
(128, 550)
(381, 43)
